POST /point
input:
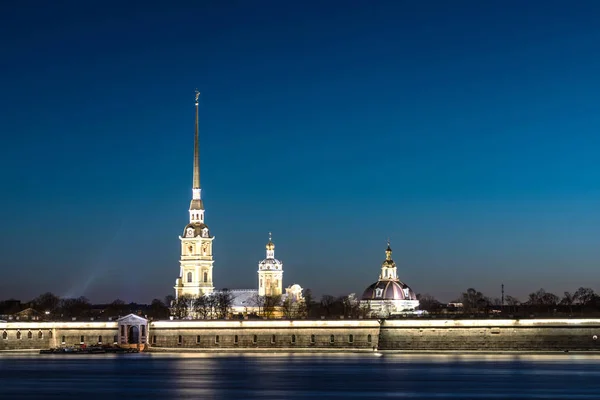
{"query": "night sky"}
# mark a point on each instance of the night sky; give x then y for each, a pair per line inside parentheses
(468, 132)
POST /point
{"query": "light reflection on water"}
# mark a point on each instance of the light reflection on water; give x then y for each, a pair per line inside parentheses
(299, 376)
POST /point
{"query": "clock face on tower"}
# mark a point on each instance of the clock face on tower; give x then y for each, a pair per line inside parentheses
(190, 232)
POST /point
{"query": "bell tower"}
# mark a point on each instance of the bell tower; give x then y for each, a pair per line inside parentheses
(196, 262)
(270, 273)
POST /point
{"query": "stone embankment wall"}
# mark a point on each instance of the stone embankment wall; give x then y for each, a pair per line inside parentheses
(288, 335)
(491, 335)
(44, 335)
(403, 335)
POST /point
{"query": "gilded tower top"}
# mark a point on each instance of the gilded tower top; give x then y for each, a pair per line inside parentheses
(270, 245)
(388, 267)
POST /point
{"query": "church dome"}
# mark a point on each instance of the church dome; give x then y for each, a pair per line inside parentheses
(388, 287)
(389, 290)
(272, 264)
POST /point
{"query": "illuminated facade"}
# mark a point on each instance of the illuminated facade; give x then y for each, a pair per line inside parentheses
(196, 262)
(389, 295)
(270, 273)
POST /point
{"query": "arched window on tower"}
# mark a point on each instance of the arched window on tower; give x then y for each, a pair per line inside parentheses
(205, 276)
(189, 277)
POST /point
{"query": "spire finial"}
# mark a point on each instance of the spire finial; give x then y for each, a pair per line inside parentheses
(270, 246)
(388, 251)
(196, 183)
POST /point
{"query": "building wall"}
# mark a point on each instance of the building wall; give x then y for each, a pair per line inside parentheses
(264, 334)
(53, 333)
(491, 335)
(418, 335)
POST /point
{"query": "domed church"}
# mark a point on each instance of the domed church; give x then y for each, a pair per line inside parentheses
(389, 295)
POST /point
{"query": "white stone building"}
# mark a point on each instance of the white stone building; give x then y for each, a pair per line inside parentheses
(196, 262)
(270, 284)
(270, 273)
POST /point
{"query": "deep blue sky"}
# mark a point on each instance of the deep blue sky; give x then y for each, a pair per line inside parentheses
(468, 132)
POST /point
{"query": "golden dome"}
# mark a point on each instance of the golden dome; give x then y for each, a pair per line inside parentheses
(270, 245)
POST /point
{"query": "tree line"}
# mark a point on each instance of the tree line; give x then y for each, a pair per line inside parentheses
(48, 306)
(583, 301)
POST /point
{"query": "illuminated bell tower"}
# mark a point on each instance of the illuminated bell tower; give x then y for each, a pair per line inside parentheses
(196, 262)
(270, 273)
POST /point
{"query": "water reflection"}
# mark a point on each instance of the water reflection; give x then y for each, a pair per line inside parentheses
(296, 376)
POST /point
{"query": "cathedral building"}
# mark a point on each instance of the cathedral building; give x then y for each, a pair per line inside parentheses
(196, 262)
(389, 295)
(270, 284)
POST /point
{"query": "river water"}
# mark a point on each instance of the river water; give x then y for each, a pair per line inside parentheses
(299, 376)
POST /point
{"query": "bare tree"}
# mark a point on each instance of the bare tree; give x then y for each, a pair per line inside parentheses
(257, 301)
(568, 300)
(541, 297)
(224, 300)
(511, 301)
(473, 301)
(182, 306)
(212, 305)
(327, 303)
(47, 302)
(288, 307)
(270, 305)
(116, 308)
(584, 296)
(158, 310)
(202, 307)
(428, 303)
(75, 307)
(308, 301)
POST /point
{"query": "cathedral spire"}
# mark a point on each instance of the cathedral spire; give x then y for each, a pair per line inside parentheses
(196, 205)
(196, 184)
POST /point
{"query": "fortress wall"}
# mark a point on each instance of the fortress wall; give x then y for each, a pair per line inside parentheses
(265, 334)
(45, 335)
(490, 335)
(416, 334)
